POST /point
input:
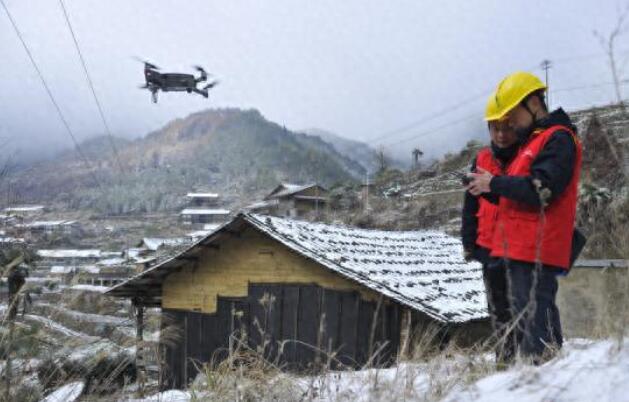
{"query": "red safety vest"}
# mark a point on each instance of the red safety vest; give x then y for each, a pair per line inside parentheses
(487, 211)
(522, 232)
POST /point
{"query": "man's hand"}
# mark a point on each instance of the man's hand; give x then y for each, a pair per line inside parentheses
(480, 182)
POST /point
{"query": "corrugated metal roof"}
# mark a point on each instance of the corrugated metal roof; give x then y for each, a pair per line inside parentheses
(420, 269)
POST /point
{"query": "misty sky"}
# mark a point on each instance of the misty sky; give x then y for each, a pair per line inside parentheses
(362, 69)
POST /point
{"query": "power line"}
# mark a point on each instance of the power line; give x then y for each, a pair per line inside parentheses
(544, 66)
(49, 92)
(475, 116)
(91, 85)
(436, 129)
(587, 56)
(590, 86)
(420, 122)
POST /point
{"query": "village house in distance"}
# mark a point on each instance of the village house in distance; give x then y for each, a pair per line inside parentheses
(263, 280)
(204, 211)
(292, 201)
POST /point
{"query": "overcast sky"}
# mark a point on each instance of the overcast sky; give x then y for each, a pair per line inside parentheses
(368, 70)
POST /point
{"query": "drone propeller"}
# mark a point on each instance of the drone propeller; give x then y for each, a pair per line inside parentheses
(211, 85)
(147, 63)
(200, 69)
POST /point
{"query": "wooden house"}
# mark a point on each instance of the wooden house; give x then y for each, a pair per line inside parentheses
(68, 257)
(60, 227)
(293, 201)
(201, 216)
(25, 211)
(203, 209)
(312, 288)
(203, 200)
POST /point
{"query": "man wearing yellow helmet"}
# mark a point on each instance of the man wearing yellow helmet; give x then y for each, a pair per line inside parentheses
(477, 228)
(537, 207)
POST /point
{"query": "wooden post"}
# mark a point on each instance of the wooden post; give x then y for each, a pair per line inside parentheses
(372, 333)
(140, 369)
(7, 368)
(406, 330)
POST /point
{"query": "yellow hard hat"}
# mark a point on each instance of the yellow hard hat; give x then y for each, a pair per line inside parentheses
(510, 92)
(491, 109)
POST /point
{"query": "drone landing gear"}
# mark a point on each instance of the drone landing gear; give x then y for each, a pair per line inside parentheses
(154, 96)
(202, 92)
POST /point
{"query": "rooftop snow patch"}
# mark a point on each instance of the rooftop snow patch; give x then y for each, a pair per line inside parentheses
(41, 224)
(202, 195)
(25, 208)
(423, 269)
(153, 243)
(66, 253)
(204, 211)
(420, 269)
(286, 189)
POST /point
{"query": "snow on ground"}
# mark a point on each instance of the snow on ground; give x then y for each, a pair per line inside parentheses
(55, 326)
(91, 288)
(87, 317)
(585, 371)
(68, 393)
(166, 396)
(97, 349)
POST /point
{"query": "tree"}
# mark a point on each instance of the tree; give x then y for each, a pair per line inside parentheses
(608, 44)
(417, 153)
(382, 159)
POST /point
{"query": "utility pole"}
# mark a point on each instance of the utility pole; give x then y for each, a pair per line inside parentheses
(366, 201)
(546, 65)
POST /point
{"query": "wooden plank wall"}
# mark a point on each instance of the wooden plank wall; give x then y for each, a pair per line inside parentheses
(317, 327)
(240, 259)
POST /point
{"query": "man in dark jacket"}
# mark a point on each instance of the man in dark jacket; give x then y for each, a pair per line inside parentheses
(478, 224)
(536, 213)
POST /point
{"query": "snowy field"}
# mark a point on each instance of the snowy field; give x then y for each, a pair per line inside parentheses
(584, 371)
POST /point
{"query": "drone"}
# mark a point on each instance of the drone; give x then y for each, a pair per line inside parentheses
(174, 82)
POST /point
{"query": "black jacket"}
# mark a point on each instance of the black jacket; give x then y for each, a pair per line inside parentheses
(469, 221)
(553, 166)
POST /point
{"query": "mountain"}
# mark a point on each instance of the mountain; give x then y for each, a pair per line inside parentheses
(236, 152)
(355, 150)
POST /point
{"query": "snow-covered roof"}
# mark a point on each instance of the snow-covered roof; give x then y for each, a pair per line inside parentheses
(90, 269)
(197, 234)
(9, 239)
(420, 269)
(261, 205)
(111, 254)
(153, 243)
(310, 198)
(111, 261)
(60, 269)
(66, 253)
(25, 208)
(286, 189)
(37, 224)
(202, 195)
(204, 211)
(144, 260)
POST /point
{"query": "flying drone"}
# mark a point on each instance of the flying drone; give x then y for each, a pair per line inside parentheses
(174, 82)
